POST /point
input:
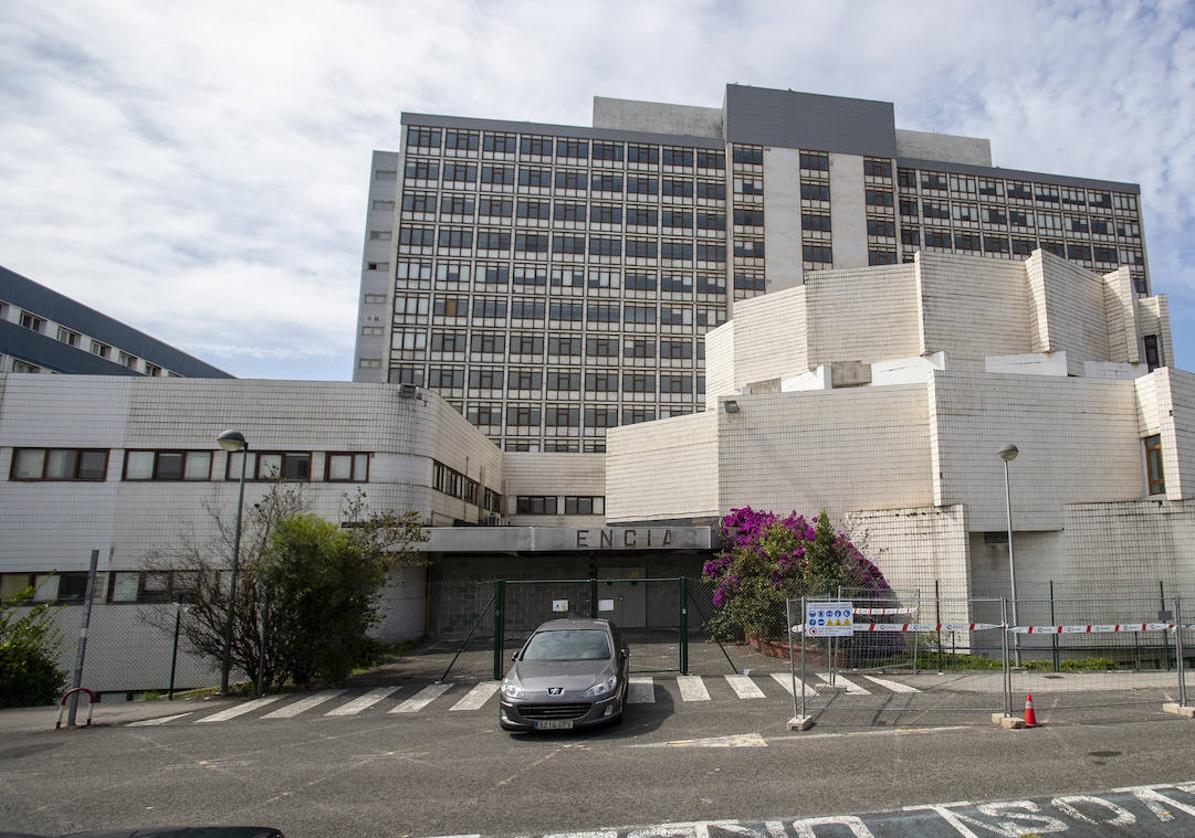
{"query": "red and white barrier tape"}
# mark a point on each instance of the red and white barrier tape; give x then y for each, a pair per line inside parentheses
(868, 628)
(1095, 628)
(868, 611)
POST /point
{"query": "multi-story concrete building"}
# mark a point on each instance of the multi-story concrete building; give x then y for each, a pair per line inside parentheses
(884, 394)
(552, 282)
(42, 331)
(880, 394)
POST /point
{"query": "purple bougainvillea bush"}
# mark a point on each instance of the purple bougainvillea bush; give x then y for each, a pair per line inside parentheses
(767, 559)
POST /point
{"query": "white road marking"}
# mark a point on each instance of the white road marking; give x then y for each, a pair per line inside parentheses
(743, 686)
(422, 698)
(786, 681)
(478, 696)
(741, 740)
(363, 702)
(303, 705)
(692, 688)
(641, 690)
(161, 720)
(239, 710)
(911, 731)
(895, 686)
(851, 687)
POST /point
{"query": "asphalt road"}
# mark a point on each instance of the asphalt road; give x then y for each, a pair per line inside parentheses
(448, 773)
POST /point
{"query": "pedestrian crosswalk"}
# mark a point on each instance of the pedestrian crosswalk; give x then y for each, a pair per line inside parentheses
(405, 700)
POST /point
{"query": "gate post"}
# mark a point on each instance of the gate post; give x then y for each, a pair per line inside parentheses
(593, 598)
(684, 625)
(1178, 649)
(499, 625)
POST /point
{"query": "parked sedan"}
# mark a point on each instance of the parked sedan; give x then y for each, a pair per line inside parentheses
(569, 673)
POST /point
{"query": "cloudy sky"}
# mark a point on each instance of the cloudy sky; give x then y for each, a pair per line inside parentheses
(199, 170)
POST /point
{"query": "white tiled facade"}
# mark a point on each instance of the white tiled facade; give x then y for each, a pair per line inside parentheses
(554, 281)
(883, 394)
(412, 441)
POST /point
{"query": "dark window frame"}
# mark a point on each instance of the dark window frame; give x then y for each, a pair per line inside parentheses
(79, 452)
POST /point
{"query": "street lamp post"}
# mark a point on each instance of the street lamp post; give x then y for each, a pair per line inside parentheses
(1009, 453)
(232, 442)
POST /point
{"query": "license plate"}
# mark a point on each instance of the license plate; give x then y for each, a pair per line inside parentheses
(554, 724)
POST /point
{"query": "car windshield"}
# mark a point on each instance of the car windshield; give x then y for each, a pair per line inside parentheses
(568, 645)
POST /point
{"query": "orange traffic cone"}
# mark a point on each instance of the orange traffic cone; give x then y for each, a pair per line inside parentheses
(1030, 716)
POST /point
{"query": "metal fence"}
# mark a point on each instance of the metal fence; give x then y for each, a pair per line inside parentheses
(132, 648)
(1070, 653)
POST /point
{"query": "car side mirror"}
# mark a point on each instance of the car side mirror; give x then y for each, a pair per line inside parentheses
(515, 656)
(624, 653)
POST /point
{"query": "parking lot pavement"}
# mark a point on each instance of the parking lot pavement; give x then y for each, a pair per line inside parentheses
(439, 771)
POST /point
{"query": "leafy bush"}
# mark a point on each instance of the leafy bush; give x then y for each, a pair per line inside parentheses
(29, 673)
(768, 559)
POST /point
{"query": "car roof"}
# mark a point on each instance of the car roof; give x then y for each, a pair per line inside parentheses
(559, 625)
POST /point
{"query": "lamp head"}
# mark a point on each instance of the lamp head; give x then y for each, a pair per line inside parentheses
(232, 441)
(1009, 453)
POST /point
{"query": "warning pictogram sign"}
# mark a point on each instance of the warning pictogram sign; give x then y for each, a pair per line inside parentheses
(829, 619)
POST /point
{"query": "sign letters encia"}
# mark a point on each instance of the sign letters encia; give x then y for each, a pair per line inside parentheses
(623, 538)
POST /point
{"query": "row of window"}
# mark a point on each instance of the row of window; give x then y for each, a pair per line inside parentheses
(468, 175)
(520, 308)
(596, 381)
(449, 481)
(497, 275)
(550, 505)
(73, 338)
(1000, 216)
(91, 464)
(454, 206)
(912, 238)
(423, 139)
(1043, 193)
(463, 238)
(135, 586)
(571, 346)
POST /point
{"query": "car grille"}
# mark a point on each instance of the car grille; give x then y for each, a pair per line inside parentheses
(553, 711)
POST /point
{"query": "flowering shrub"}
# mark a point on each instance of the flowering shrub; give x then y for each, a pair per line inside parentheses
(767, 559)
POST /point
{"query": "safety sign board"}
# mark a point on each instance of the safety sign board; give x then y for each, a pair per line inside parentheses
(560, 605)
(830, 619)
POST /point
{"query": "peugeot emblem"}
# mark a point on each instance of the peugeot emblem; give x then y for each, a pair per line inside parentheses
(555, 690)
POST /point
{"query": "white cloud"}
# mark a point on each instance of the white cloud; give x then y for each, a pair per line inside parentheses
(201, 170)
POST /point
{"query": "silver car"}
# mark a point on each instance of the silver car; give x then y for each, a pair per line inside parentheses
(569, 673)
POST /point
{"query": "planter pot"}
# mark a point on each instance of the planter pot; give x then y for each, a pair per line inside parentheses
(815, 653)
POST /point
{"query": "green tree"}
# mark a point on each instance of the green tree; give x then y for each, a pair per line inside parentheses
(29, 673)
(307, 587)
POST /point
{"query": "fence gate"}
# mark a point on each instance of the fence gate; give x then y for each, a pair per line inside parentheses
(652, 614)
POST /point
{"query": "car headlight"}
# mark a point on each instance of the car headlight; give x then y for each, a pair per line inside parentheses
(603, 687)
(512, 690)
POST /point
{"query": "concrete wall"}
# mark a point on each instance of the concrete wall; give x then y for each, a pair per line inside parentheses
(1076, 320)
(842, 450)
(972, 307)
(865, 314)
(848, 211)
(719, 363)
(1078, 441)
(782, 217)
(949, 148)
(527, 473)
(914, 547)
(770, 337)
(54, 525)
(663, 469)
(379, 280)
(656, 117)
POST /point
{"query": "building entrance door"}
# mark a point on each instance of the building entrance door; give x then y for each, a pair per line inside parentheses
(626, 587)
